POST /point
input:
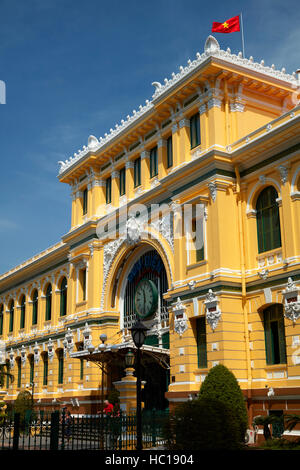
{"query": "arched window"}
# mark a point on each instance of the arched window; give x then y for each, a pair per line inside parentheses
(35, 307)
(268, 223)
(1, 320)
(11, 316)
(63, 297)
(22, 314)
(48, 302)
(274, 335)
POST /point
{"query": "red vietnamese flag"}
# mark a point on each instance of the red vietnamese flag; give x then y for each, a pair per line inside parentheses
(229, 26)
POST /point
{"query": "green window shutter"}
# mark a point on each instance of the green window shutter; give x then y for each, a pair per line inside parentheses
(48, 302)
(31, 376)
(268, 338)
(122, 183)
(108, 190)
(85, 201)
(137, 172)
(153, 162)
(11, 316)
(201, 342)
(19, 383)
(45, 376)
(63, 297)
(195, 130)
(268, 220)
(282, 343)
(7, 376)
(34, 308)
(83, 283)
(274, 335)
(166, 341)
(151, 340)
(81, 368)
(22, 316)
(169, 152)
(60, 366)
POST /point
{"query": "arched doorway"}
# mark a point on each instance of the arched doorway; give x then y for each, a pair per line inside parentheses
(150, 267)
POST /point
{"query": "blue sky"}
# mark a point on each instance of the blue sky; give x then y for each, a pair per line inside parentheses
(74, 68)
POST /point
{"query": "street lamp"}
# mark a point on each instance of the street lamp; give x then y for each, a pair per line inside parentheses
(138, 332)
(129, 359)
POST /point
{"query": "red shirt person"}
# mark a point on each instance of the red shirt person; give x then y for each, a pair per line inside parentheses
(108, 408)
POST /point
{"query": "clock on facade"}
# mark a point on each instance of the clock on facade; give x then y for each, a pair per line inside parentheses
(146, 298)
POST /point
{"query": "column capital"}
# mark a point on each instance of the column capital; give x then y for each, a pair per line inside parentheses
(184, 122)
(115, 174)
(161, 143)
(145, 154)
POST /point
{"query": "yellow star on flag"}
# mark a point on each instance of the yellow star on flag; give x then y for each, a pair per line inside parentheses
(225, 25)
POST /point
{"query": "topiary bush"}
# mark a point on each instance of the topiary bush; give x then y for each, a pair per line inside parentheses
(204, 424)
(221, 384)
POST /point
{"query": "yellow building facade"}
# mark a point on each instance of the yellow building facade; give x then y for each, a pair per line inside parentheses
(196, 194)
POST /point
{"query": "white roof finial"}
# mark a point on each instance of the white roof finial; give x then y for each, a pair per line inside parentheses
(211, 45)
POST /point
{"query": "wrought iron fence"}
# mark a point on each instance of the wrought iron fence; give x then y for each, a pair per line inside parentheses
(58, 431)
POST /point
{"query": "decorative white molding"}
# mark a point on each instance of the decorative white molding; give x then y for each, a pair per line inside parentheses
(87, 337)
(213, 190)
(184, 123)
(69, 342)
(263, 274)
(50, 347)
(11, 358)
(237, 107)
(180, 318)
(36, 351)
(213, 312)
(23, 355)
(291, 296)
(164, 225)
(283, 170)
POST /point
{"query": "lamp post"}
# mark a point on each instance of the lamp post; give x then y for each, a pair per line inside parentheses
(102, 347)
(138, 332)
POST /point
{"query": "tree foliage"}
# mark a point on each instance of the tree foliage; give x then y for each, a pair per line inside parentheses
(221, 384)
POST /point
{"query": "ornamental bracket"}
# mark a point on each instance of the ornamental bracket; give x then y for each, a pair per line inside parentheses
(213, 312)
(291, 301)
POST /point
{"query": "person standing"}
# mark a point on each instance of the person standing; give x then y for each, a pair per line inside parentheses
(108, 408)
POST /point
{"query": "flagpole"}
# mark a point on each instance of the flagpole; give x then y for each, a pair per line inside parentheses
(242, 31)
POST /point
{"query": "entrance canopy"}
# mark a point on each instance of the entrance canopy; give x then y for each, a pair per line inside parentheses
(114, 354)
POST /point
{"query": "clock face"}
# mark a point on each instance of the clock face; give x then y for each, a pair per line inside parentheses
(146, 298)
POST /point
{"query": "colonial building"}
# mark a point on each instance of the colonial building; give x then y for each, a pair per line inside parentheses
(186, 215)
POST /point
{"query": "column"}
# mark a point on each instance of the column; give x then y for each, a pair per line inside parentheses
(204, 132)
(175, 141)
(98, 196)
(184, 140)
(115, 192)
(162, 157)
(129, 167)
(145, 169)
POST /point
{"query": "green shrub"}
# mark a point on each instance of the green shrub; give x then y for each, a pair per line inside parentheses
(221, 384)
(204, 424)
(24, 406)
